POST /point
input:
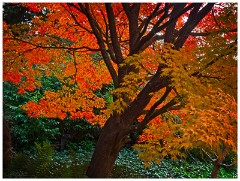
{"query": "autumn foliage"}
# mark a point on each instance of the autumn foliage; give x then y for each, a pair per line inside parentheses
(25, 63)
(173, 67)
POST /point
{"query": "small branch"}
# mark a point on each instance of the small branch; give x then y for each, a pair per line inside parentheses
(152, 110)
(190, 155)
(198, 72)
(215, 154)
(157, 27)
(219, 26)
(75, 65)
(178, 107)
(109, 45)
(74, 17)
(209, 77)
(54, 47)
(215, 20)
(12, 4)
(200, 33)
(167, 107)
(225, 165)
(146, 22)
(213, 160)
(214, 32)
(150, 41)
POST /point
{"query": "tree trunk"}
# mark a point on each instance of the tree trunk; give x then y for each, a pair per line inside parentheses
(215, 170)
(7, 145)
(115, 131)
(108, 146)
(64, 138)
(218, 163)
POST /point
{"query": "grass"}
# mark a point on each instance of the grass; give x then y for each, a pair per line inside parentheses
(73, 164)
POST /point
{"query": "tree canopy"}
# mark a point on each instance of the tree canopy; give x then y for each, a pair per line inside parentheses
(162, 58)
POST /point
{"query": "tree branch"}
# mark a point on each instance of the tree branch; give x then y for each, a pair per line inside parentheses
(226, 165)
(194, 18)
(157, 28)
(170, 33)
(98, 34)
(74, 17)
(146, 22)
(213, 160)
(132, 13)
(109, 45)
(164, 109)
(55, 47)
(113, 32)
(134, 110)
(152, 109)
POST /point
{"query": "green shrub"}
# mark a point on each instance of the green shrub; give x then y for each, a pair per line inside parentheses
(24, 130)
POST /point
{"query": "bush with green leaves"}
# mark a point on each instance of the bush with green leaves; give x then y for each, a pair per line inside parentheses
(24, 130)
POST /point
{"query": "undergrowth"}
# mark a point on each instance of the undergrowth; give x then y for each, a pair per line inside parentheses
(48, 163)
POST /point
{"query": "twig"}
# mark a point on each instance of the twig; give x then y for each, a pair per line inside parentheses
(213, 160)
(190, 155)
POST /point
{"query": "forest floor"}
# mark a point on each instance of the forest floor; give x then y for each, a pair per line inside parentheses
(73, 162)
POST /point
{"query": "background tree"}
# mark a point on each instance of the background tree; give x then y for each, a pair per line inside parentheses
(139, 44)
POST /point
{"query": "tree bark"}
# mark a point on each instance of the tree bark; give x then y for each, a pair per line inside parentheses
(215, 170)
(218, 163)
(115, 131)
(108, 146)
(7, 145)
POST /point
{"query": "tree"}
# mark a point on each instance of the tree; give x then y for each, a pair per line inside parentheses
(138, 43)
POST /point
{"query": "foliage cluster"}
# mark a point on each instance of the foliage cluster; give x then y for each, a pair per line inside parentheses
(26, 130)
